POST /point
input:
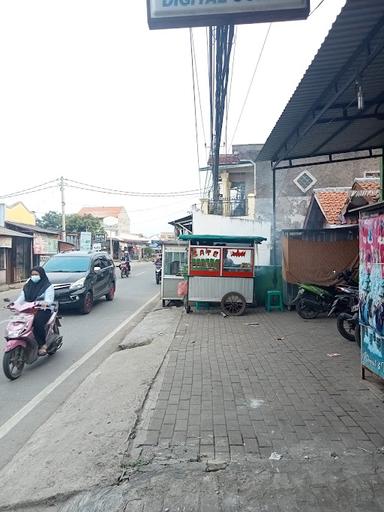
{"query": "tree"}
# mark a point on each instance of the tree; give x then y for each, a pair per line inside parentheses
(50, 220)
(77, 223)
(74, 223)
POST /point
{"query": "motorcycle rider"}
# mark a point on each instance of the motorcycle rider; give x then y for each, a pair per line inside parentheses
(38, 288)
(158, 268)
(158, 261)
(126, 259)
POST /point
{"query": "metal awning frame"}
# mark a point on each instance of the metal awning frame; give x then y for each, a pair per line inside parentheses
(348, 74)
(331, 158)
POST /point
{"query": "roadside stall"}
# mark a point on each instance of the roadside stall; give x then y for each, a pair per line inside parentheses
(175, 263)
(372, 289)
(221, 269)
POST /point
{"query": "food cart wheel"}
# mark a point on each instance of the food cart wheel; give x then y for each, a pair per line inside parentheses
(233, 304)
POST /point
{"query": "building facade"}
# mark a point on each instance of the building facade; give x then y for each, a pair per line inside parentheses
(123, 223)
(295, 186)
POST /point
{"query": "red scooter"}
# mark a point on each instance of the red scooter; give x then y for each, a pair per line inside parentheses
(125, 269)
(21, 347)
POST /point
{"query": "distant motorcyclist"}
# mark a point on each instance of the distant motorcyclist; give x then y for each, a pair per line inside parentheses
(159, 261)
(126, 260)
(158, 268)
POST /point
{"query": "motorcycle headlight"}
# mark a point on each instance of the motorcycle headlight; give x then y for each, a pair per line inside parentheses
(77, 285)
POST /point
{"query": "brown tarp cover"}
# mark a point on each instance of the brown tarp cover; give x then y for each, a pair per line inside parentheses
(307, 261)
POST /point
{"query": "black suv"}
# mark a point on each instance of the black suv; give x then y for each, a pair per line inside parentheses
(80, 278)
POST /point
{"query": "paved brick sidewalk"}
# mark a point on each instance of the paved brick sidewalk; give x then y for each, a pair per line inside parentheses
(241, 388)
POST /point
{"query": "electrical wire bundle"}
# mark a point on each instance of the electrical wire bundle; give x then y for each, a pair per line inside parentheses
(220, 45)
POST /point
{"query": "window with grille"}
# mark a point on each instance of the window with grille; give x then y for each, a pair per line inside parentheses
(372, 174)
(305, 181)
(2, 259)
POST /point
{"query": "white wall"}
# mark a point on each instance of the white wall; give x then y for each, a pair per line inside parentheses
(219, 225)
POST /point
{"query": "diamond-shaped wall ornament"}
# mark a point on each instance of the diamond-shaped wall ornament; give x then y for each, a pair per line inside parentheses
(305, 181)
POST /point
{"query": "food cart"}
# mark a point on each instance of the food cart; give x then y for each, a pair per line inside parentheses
(371, 284)
(221, 269)
(175, 262)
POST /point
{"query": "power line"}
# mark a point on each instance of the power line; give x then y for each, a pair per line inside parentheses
(194, 104)
(30, 190)
(94, 188)
(230, 88)
(317, 6)
(252, 79)
(159, 207)
(198, 91)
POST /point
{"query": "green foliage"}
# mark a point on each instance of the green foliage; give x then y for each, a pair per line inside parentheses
(74, 223)
(50, 220)
(77, 223)
(148, 252)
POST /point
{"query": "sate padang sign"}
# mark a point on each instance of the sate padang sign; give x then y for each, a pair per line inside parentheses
(201, 13)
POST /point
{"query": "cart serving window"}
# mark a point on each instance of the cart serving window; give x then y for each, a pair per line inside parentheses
(205, 261)
(238, 262)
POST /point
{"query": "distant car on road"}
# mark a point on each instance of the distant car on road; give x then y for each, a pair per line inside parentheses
(81, 277)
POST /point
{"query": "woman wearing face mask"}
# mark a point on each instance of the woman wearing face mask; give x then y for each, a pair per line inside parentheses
(39, 289)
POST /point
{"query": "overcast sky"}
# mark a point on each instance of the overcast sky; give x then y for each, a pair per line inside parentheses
(89, 93)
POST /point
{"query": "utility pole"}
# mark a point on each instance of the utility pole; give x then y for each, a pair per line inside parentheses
(63, 226)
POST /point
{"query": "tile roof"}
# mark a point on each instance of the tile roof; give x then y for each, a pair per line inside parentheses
(102, 212)
(332, 204)
(366, 184)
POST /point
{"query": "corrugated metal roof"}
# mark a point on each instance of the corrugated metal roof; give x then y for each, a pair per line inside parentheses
(322, 117)
(31, 228)
(11, 233)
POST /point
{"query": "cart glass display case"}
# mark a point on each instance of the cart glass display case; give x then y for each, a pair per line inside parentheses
(175, 265)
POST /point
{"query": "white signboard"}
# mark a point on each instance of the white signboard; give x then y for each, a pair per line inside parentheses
(5, 242)
(85, 241)
(190, 13)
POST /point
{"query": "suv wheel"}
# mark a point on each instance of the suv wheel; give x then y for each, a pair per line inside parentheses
(86, 303)
(111, 294)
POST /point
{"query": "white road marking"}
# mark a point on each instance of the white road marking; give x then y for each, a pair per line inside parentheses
(24, 411)
(139, 274)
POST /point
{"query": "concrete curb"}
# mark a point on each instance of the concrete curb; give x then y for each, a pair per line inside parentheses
(152, 327)
(83, 443)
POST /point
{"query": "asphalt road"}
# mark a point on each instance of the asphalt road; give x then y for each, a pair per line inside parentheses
(81, 334)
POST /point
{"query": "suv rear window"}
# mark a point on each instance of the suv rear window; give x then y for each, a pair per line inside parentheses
(67, 264)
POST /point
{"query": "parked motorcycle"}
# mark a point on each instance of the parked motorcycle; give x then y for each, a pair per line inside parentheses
(348, 324)
(125, 269)
(21, 347)
(312, 300)
(345, 305)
